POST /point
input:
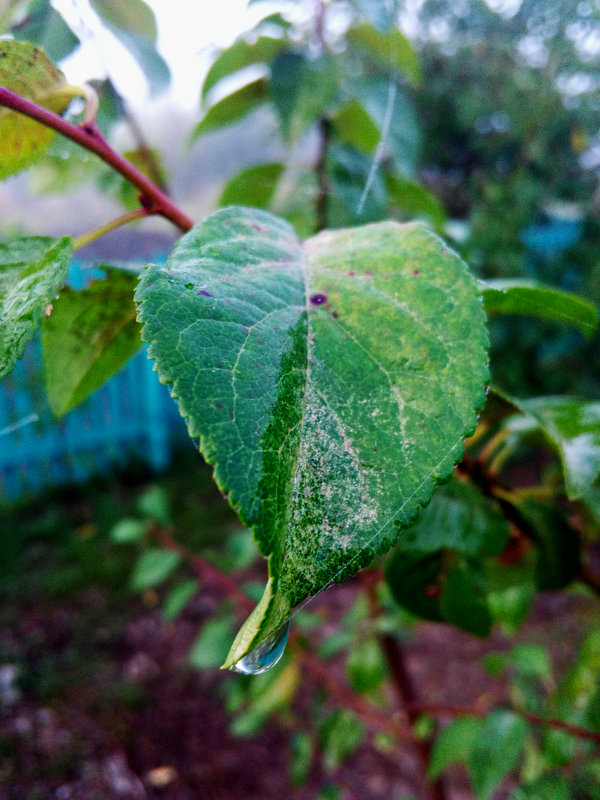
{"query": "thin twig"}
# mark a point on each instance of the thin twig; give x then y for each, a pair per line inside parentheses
(440, 709)
(124, 219)
(89, 136)
(405, 691)
(203, 568)
(591, 580)
(323, 183)
(491, 487)
(372, 717)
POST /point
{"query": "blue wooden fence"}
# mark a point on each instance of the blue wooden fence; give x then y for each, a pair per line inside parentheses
(131, 416)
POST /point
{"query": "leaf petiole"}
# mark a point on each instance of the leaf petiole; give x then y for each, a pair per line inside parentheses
(113, 224)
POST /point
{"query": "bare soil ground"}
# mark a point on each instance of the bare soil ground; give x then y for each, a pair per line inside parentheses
(98, 701)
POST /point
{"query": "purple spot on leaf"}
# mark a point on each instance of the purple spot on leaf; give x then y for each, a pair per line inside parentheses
(318, 299)
(415, 272)
(204, 293)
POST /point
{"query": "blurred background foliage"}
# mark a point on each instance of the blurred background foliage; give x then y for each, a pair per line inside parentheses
(480, 118)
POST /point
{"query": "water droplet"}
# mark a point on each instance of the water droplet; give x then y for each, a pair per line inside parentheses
(266, 654)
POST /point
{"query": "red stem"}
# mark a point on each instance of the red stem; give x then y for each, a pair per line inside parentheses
(440, 709)
(404, 686)
(374, 718)
(89, 136)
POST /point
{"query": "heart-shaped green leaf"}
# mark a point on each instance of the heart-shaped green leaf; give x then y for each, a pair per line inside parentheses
(331, 384)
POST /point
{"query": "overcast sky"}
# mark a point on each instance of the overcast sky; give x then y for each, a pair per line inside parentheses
(188, 31)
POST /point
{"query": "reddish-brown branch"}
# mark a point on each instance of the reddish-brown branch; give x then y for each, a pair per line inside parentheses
(371, 716)
(204, 569)
(590, 579)
(89, 136)
(403, 684)
(374, 719)
(440, 709)
(476, 470)
(323, 185)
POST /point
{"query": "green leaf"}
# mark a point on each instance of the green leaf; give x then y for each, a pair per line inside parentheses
(556, 787)
(268, 693)
(31, 273)
(458, 517)
(233, 107)
(340, 736)
(128, 530)
(146, 160)
(349, 170)
(301, 90)
(572, 426)
(426, 586)
(154, 504)
(512, 296)
(579, 686)
(366, 666)
(390, 50)
(454, 744)
(301, 746)
(241, 54)
(414, 200)
(133, 16)
(275, 690)
(531, 660)
(557, 545)
(44, 27)
(353, 126)
(276, 20)
(26, 70)
(343, 373)
(494, 663)
(496, 751)
(464, 602)
(415, 582)
(253, 186)
(178, 598)
(89, 336)
(154, 566)
(394, 111)
(510, 590)
(210, 647)
(152, 64)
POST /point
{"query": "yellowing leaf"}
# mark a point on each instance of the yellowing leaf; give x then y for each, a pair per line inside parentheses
(27, 71)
